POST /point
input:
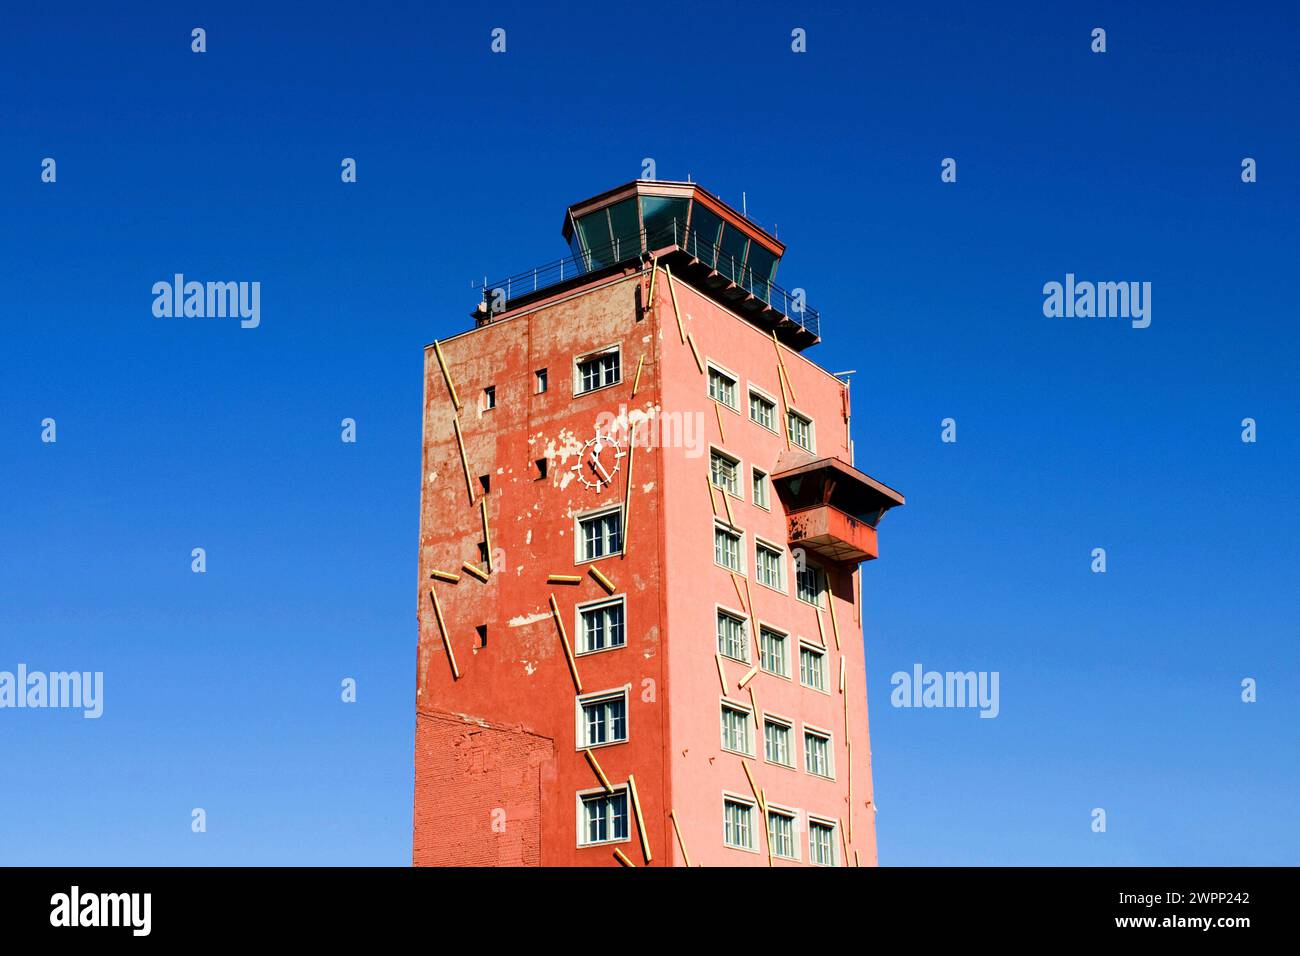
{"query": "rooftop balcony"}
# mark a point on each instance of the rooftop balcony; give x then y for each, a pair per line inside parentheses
(704, 242)
(832, 509)
(832, 534)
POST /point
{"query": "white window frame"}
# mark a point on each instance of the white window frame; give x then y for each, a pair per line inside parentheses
(596, 697)
(745, 638)
(834, 827)
(766, 396)
(580, 632)
(785, 635)
(614, 348)
(826, 735)
(788, 724)
(727, 703)
(721, 525)
(780, 564)
(579, 538)
(712, 366)
(820, 652)
(748, 802)
(739, 493)
(581, 817)
(766, 503)
(791, 814)
(820, 576)
(812, 429)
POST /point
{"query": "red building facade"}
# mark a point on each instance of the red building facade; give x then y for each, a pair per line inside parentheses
(641, 531)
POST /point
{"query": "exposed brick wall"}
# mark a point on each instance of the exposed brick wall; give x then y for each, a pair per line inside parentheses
(477, 793)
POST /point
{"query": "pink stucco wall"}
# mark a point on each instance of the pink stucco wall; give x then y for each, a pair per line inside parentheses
(701, 771)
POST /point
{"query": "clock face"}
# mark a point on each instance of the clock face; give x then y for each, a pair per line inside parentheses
(599, 462)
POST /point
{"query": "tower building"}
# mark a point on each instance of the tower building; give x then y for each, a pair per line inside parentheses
(641, 534)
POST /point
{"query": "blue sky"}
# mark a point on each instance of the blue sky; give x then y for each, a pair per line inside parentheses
(1119, 691)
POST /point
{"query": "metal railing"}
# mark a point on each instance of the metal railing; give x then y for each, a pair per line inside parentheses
(790, 304)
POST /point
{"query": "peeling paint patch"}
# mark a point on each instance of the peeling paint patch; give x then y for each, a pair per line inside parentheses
(530, 667)
(525, 619)
(648, 486)
(569, 445)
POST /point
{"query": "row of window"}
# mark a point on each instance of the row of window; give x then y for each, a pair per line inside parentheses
(600, 535)
(773, 650)
(724, 388)
(603, 818)
(591, 371)
(778, 737)
(782, 826)
(602, 626)
(602, 719)
(769, 564)
(604, 367)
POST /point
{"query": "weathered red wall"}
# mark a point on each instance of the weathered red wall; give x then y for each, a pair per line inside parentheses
(520, 680)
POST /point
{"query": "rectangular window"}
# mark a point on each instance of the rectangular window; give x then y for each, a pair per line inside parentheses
(760, 490)
(780, 834)
(601, 626)
(724, 472)
(597, 371)
(603, 818)
(812, 667)
(738, 824)
(768, 563)
(541, 380)
(726, 548)
(737, 730)
(600, 535)
(762, 410)
(809, 585)
(800, 429)
(821, 843)
(722, 388)
(490, 397)
(731, 637)
(772, 652)
(817, 753)
(603, 719)
(776, 742)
